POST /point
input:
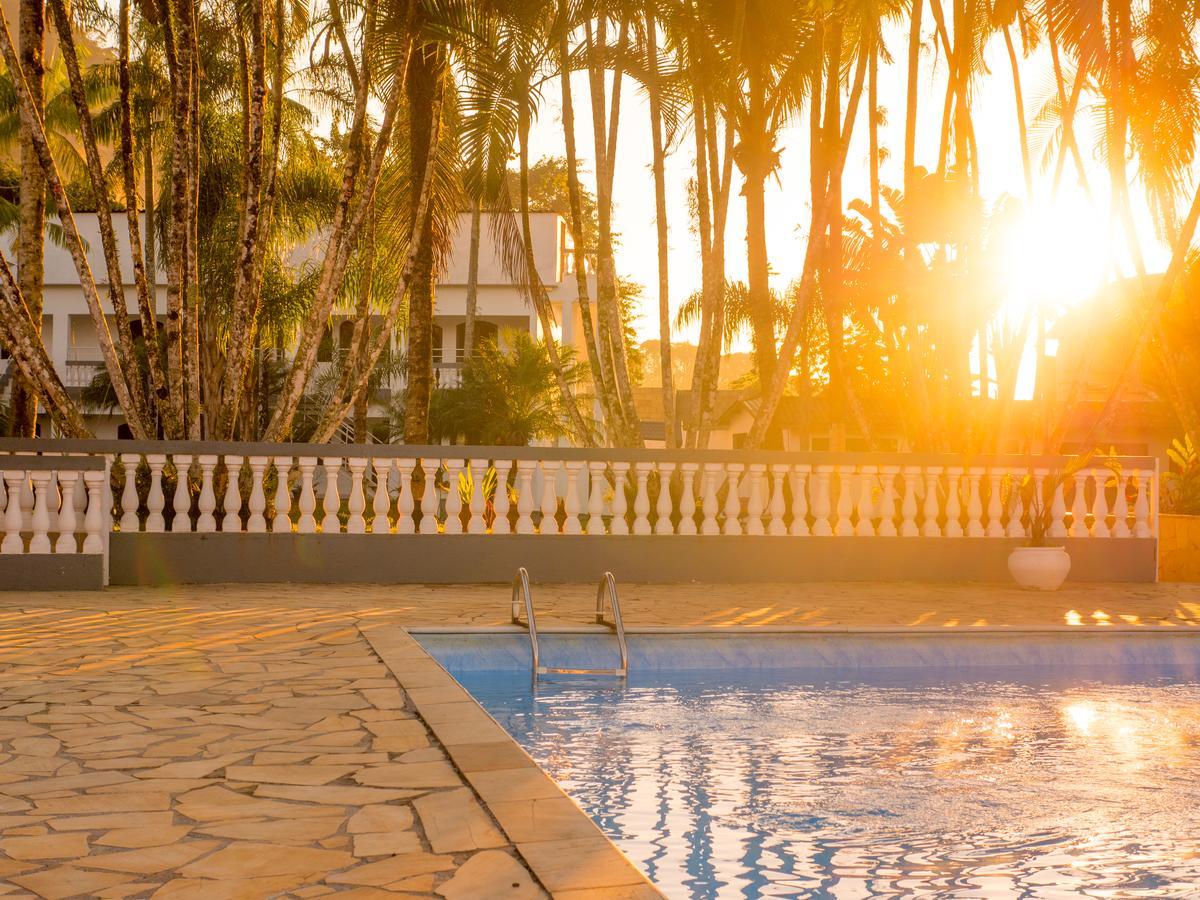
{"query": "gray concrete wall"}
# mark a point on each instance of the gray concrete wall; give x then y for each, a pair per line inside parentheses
(446, 559)
(51, 572)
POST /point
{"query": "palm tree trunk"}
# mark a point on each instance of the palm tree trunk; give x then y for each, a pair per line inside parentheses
(146, 300)
(720, 173)
(704, 346)
(604, 135)
(108, 237)
(344, 229)
(537, 291)
(33, 122)
(1022, 131)
(822, 211)
(32, 201)
(245, 287)
(913, 94)
(472, 280)
(422, 86)
(29, 353)
(660, 211)
(597, 361)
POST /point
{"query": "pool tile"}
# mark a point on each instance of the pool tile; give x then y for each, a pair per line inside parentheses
(529, 783)
(580, 863)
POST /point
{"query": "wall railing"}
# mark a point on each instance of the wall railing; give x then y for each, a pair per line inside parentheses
(166, 487)
(53, 504)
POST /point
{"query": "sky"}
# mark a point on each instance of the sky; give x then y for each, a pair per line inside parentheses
(1063, 258)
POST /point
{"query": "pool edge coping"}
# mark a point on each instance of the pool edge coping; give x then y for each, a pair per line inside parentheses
(566, 851)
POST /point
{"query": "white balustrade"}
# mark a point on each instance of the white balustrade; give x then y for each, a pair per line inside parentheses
(477, 524)
(887, 500)
(525, 471)
(975, 527)
(595, 504)
(549, 503)
(356, 503)
(155, 501)
(381, 500)
(864, 527)
(755, 504)
(501, 500)
(687, 497)
(454, 505)
(620, 524)
(307, 523)
(232, 503)
(821, 503)
(405, 504)
(641, 501)
(665, 506)
(733, 499)
(181, 500)
(129, 495)
(799, 477)
(571, 524)
(932, 508)
(778, 504)
(429, 496)
(65, 543)
(331, 499)
(93, 521)
(1079, 510)
(282, 523)
(39, 520)
(954, 526)
(13, 541)
(1100, 527)
(842, 524)
(256, 521)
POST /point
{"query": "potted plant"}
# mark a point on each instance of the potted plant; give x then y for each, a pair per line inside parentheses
(1039, 565)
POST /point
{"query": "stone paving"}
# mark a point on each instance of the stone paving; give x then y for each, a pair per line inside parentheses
(261, 752)
(246, 741)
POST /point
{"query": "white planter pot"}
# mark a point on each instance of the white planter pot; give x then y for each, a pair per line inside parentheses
(1039, 568)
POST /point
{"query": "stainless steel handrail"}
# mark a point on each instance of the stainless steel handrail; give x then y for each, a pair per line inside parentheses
(607, 587)
(521, 583)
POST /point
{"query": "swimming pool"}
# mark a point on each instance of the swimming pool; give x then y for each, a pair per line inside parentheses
(972, 780)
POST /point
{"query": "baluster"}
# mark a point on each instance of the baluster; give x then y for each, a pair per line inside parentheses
(331, 499)
(129, 496)
(842, 525)
(1016, 504)
(571, 499)
(887, 500)
(454, 505)
(687, 497)
(39, 520)
(733, 499)
(181, 501)
(908, 507)
(282, 522)
(381, 499)
(501, 502)
(549, 523)
(429, 496)
(641, 501)
(708, 524)
(3, 495)
(307, 523)
(1141, 506)
(931, 509)
(207, 501)
(974, 503)
(799, 477)
(954, 526)
(256, 505)
(1058, 513)
(405, 524)
(1100, 527)
(356, 503)
(525, 469)
(476, 523)
(866, 508)
(13, 542)
(66, 542)
(26, 498)
(1078, 527)
(1120, 527)
(755, 504)
(777, 505)
(155, 501)
(619, 524)
(664, 508)
(53, 501)
(995, 505)
(93, 520)
(233, 494)
(822, 501)
(595, 505)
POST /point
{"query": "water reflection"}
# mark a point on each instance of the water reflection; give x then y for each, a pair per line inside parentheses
(771, 787)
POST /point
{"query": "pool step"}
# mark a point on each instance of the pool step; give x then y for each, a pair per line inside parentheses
(606, 588)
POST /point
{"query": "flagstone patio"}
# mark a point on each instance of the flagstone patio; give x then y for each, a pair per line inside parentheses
(255, 741)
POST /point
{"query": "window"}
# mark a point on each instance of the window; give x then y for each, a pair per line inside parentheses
(346, 334)
(485, 332)
(325, 348)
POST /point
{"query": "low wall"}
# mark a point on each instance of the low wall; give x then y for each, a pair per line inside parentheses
(51, 572)
(144, 558)
(1179, 548)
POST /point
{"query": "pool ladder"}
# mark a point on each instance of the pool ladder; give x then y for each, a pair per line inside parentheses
(606, 588)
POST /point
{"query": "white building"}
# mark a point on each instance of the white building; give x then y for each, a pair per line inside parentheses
(71, 339)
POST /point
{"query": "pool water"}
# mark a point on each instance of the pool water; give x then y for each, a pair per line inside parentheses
(1059, 782)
